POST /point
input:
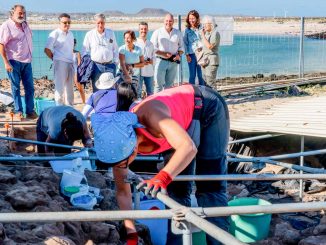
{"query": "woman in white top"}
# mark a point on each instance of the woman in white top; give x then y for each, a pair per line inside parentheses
(131, 57)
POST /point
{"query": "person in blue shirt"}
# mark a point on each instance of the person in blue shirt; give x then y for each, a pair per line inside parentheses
(61, 125)
(111, 96)
(131, 57)
(192, 42)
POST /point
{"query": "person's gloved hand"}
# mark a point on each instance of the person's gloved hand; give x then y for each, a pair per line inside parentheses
(132, 238)
(158, 183)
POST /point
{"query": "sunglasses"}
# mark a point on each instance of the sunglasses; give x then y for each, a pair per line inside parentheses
(66, 22)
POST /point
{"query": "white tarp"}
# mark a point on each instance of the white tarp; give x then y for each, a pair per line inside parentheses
(6, 98)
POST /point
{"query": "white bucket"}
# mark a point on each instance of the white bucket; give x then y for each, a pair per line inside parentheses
(71, 178)
(157, 227)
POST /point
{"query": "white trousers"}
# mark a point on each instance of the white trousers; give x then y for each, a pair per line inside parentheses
(63, 83)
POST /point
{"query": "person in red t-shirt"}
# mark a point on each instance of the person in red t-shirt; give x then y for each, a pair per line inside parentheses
(184, 123)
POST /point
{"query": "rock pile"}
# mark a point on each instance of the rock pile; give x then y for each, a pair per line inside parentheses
(34, 188)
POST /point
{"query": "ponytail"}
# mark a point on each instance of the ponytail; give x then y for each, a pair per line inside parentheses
(72, 127)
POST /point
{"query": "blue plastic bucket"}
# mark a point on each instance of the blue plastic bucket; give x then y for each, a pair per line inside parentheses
(158, 227)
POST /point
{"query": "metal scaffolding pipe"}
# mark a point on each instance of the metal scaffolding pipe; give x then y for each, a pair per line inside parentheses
(40, 143)
(211, 229)
(201, 223)
(157, 214)
(286, 156)
(84, 216)
(45, 158)
(295, 155)
(265, 136)
(254, 209)
(282, 164)
(60, 158)
(237, 177)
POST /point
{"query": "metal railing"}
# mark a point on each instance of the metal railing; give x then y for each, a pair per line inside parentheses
(184, 217)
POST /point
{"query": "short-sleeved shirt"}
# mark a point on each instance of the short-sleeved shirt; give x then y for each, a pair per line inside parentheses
(103, 101)
(101, 47)
(51, 119)
(17, 41)
(168, 42)
(148, 52)
(132, 57)
(61, 45)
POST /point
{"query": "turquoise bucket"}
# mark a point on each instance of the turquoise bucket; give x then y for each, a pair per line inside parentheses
(249, 227)
(42, 103)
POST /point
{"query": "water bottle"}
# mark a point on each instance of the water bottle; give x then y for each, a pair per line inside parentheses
(79, 169)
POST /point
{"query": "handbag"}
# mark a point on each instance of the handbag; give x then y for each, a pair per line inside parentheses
(202, 59)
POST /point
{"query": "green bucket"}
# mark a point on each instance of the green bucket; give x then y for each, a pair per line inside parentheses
(199, 238)
(249, 227)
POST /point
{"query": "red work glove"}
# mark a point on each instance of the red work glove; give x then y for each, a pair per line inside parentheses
(158, 183)
(132, 238)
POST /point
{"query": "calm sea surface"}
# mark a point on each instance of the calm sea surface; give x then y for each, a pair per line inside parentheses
(249, 55)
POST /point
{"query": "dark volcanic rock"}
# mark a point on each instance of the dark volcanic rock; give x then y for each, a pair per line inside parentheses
(7, 178)
(313, 240)
(25, 197)
(101, 232)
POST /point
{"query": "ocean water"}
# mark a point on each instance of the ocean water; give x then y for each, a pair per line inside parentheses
(249, 55)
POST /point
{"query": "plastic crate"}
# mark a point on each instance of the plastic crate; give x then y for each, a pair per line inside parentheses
(42, 103)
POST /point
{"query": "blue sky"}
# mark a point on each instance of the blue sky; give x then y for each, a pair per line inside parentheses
(224, 7)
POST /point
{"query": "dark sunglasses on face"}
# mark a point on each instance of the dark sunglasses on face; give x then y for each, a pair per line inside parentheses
(66, 22)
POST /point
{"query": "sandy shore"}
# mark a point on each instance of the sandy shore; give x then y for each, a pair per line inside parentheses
(251, 26)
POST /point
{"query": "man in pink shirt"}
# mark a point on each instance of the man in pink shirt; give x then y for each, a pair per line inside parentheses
(16, 52)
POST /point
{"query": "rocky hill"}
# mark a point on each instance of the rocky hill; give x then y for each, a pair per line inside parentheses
(151, 12)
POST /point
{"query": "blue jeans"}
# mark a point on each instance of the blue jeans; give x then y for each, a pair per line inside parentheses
(211, 135)
(99, 69)
(164, 74)
(148, 84)
(22, 72)
(195, 69)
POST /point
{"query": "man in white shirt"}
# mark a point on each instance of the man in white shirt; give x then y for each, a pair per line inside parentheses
(147, 72)
(168, 46)
(100, 43)
(59, 48)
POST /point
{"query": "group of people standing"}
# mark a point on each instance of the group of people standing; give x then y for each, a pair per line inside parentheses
(188, 124)
(141, 60)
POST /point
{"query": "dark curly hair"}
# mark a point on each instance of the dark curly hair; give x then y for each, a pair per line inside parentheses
(72, 127)
(194, 13)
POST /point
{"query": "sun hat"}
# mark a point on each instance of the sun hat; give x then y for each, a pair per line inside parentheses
(106, 81)
(114, 136)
